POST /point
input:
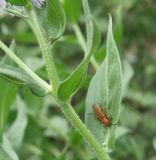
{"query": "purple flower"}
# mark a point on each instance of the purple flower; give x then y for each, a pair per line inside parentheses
(2, 4)
(38, 3)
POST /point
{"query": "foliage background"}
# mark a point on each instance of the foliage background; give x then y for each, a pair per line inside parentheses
(36, 127)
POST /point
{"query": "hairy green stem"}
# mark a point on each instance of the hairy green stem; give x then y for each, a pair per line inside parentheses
(79, 125)
(45, 48)
(25, 67)
(67, 109)
(83, 44)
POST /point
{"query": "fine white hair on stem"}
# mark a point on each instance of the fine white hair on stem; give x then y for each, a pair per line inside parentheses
(38, 3)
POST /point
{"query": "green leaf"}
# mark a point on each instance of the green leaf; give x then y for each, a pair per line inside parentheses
(4, 155)
(12, 74)
(18, 126)
(70, 85)
(93, 34)
(56, 20)
(18, 2)
(18, 76)
(72, 11)
(105, 90)
(7, 146)
(7, 93)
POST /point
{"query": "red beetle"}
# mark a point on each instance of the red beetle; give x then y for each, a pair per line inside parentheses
(100, 115)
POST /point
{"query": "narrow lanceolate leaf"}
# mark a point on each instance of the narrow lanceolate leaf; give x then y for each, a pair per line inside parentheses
(7, 146)
(18, 126)
(18, 76)
(12, 74)
(7, 94)
(93, 34)
(70, 85)
(4, 155)
(56, 20)
(105, 91)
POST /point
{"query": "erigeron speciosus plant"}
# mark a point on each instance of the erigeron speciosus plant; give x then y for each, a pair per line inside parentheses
(107, 80)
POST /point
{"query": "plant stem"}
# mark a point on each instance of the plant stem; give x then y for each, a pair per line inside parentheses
(66, 108)
(83, 44)
(79, 125)
(45, 48)
(25, 67)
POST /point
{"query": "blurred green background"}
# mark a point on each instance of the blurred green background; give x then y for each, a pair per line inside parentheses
(36, 127)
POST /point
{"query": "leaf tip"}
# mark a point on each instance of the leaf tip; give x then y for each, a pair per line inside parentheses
(110, 22)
